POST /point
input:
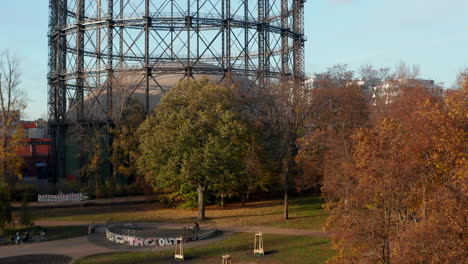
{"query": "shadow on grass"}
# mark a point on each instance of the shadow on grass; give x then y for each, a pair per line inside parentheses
(271, 252)
(261, 214)
(308, 216)
(297, 205)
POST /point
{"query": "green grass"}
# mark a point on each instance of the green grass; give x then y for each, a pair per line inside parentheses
(63, 232)
(305, 213)
(53, 232)
(279, 249)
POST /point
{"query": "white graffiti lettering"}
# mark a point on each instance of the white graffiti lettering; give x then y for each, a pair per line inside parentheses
(139, 241)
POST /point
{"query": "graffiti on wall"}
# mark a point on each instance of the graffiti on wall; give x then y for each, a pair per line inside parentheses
(141, 241)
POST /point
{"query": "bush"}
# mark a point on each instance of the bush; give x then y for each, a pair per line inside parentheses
(5, 207)
(68, 186)
(20, 188)
(27, 219)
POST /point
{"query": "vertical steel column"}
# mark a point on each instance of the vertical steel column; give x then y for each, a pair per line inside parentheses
(110, 57)
(62, 60)
(172, 30)
(228, 41)
(53, 81)
(198, 29)
(53, 54)
(147, 55)
(223, 36)
(267, 41)
(121, 36)
(60, 91)
(298, 49)
(261, 43)
(188, 25)
(80, 7)
(246, 38)
(98, 45)
(284, 37)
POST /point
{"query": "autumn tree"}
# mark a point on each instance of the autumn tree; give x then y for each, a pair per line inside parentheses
(404, 195)
(339, 105)
(94, 148)
(439, 235)
(196, 137)
(109, 144)
(12, 103)
(124, 147)
(282, 113)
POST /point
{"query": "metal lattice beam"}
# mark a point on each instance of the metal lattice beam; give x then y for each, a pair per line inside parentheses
(94, 43)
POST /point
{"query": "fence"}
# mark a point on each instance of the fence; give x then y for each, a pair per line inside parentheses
(61, 198)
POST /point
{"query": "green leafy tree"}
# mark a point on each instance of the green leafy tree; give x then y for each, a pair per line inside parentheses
(196, 136)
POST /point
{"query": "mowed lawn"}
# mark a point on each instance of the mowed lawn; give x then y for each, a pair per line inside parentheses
(305, 213)
(279, 249)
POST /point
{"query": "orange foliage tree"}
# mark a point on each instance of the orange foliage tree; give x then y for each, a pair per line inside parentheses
(339, 105)
(402, 196)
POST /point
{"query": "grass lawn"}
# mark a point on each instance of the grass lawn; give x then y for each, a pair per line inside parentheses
(53, 232)
(279, 249)
(305, 213)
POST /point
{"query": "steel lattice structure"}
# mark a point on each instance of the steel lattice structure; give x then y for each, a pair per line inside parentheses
(92, 41)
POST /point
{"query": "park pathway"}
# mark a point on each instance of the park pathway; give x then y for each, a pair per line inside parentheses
(263, 229)
(236, 229)
(76, 248)
(80, 247)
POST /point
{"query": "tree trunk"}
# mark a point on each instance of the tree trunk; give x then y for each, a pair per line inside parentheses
(222, 200)
(424, 203)
(286, 198)
(4, 160)
(201, 202)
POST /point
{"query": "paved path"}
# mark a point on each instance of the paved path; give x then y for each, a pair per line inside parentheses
(81, 247)
(237, 229)
(74, 247)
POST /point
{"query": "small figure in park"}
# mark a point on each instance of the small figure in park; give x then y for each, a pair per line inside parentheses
(17, 238)
(43, 234)
(26, 237)
(91, 228)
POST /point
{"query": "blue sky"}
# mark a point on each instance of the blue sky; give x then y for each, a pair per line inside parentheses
(429, 33)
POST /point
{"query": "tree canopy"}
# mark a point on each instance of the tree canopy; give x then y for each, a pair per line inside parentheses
(196, 137)
(397, 194)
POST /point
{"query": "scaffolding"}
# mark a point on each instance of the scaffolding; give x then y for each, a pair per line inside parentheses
(91, 42)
